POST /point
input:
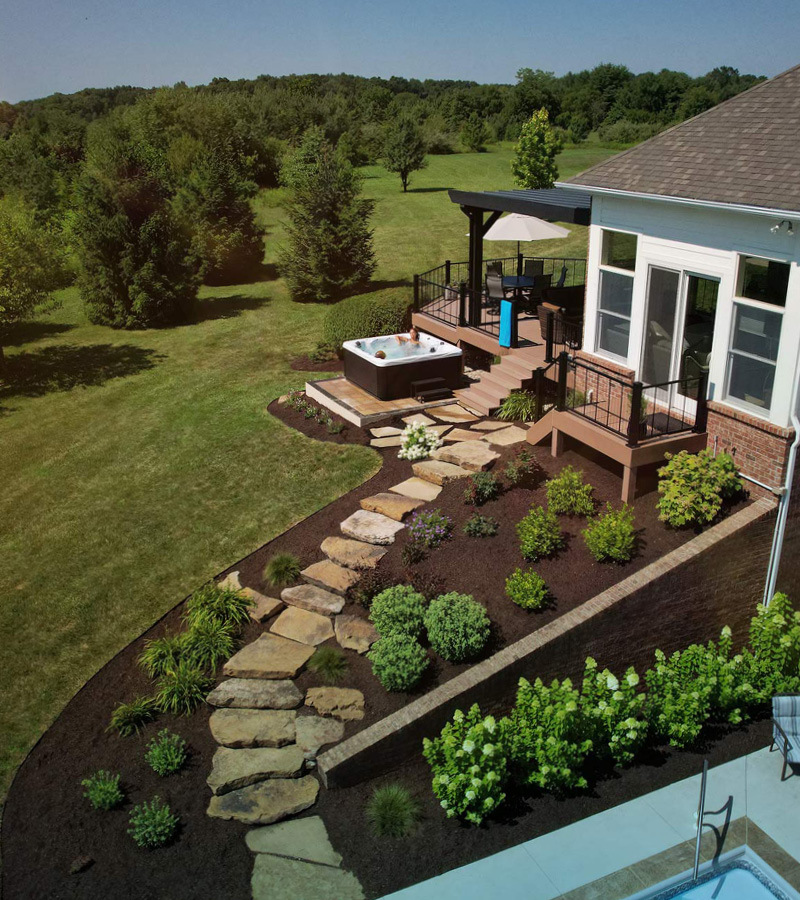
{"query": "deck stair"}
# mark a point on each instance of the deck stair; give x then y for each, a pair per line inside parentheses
(513, 372)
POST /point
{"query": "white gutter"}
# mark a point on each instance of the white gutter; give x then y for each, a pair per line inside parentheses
(684, 201)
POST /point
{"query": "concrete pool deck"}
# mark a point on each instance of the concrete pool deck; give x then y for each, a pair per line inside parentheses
(635, 845)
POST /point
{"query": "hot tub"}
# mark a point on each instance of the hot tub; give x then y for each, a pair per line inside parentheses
(404, 366)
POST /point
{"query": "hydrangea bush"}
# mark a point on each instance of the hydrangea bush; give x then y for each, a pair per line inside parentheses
(615, 712)
(418, 442)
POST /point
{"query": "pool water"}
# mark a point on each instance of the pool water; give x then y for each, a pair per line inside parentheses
(739, 880)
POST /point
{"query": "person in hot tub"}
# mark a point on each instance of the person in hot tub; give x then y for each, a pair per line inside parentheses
(413, 336)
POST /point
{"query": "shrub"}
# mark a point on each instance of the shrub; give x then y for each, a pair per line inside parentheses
(519, 406)
(372, 582)
(162, 654)
(539, 534)
(220, 604)
(775, 648)
(678, 696)
(430, 528)
(398, 610)
(335, 427)
(481, 488)
(398, 661)
(102, 790)
(208, 643)
(418, 442)
(518, 468)
(182, 689)
(458, 626)
(329, 663)
(611, 537)
(481, 526)
(568, 495)
(527, 589)
(694, 486)
(282, 570)
(152, 824)
(428, 584)
(392, 811)
(413, 552)
(365, 316)
(469, 767)
(614, 712)
(166, 754)
(130, 718)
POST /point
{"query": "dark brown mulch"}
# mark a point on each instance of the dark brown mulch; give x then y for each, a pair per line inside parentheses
(306, 364)
(47, 824)
(350, 434)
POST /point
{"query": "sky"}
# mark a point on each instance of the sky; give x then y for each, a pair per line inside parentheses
(66, 45)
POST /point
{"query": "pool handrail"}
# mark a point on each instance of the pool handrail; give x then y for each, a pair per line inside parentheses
(701, 811)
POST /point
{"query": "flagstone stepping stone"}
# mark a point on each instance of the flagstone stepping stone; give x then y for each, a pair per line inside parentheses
(371, 527)
(341, 703)
(417, 488)
(472, 455)
(460, 434)
(439, 429)
(231, 582)
(263, 607)
(266, 802)
(255, 693)
(418, 419)
(330, 576)
(253, 727)
(234, 769)
(394, 441)
(303, 626)
(506, 436)
(305, 838)
(438, 472)
(278, 878)
(314, 732)
(385, 431)
(488, 425)
(455, 414)
(313, 598)
(395, 506)
(352, 554)
(354, 633)
(270, 656)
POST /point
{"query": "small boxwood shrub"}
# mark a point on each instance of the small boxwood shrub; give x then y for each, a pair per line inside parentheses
(398, 610)
(152, 824)
(527, 589)
(694, 486)
(481, 526)
(329, 663)
(182, 689)
(611, 537)
(365, 316)
(392, 811)
(162, 654)
(398, 662)
(219, 604)
(481, 488)
(102, 790)
(539, 534)
(166, 754)
(567, 494)
(282, 570)
(130, 718)
(458, 626)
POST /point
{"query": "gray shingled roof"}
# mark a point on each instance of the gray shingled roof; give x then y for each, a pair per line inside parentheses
(744, 151)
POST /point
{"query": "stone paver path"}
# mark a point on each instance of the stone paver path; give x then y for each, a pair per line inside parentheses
(269, 656)
(354, 633)
(460, 434)
(278, 878)
(330, 576)
(473, 455)
(305, 838)
(438, 472)
(392, 505)
(256, 693)
(418, 419)
(253, 727)
(454, 414)
(303, 626)
(488, 425)
(314, 732)
(263, 607)
(313, 598)
(352, 554)
(391, 441)
(385, 431)
(234, 769)
(417, 488)
(341, 703)
(506, 436)
(267, 801)
(370, 527)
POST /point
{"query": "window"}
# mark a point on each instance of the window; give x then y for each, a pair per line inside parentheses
(617, 262)
(756, 333)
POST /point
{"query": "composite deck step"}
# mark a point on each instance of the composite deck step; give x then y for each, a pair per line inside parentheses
(503, 377)
(474, 403)
(433, 394)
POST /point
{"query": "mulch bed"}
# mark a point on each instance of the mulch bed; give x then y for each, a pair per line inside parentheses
(47, 824)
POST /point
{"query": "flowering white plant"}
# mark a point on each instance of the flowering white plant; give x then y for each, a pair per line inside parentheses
(615, 712)
(418, 442)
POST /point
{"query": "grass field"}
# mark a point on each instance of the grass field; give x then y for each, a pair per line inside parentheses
(136, 465)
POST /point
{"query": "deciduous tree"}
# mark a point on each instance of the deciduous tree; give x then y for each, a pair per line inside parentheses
(534, 164)
(404, 150)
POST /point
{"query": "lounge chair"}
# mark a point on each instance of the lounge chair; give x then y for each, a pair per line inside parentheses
(786, 729)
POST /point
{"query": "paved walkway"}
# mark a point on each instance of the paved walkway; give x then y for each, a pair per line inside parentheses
(600, 845)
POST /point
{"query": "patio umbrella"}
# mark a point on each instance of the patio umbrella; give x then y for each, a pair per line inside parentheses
(516, 227)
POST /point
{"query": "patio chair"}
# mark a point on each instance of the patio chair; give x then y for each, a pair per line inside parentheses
(561, 278)
(494, 289)
(495, 268)
(532, 267)
(547, 311)
(786, 729)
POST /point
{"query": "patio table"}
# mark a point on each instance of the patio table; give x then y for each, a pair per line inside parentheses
(518, 283)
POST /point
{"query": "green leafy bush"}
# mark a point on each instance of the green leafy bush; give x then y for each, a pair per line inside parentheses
(527, 589)
(612, 537)
(166, 754)
(329, 663)
(398, 661)
(430, 527)
(692, 487)
(398, 610)
(614, 711)
(162, 654)
(679, 696)
(365, 316)
(102, 790)
(539, 534)
(775, 649)
(481, 526)
(469, 766)
(392, 811)
(182, 689)
(519, 406)
(518, 468)
(130, 718)
(481, 488)
(152, 824)
(568, 495)
(282, 570)
(209, 643)
(458, 626)
(219, 604)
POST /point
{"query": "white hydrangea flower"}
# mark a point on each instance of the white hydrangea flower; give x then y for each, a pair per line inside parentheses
(489, 724)
(488, 750)
(470, 795)
(468, 746)
(611, 683)
(476, 782)
(632, 678)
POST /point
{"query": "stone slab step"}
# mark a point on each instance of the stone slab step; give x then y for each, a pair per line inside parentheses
(354, 633)
(391, 441)
(385, 431)
(255, 693)
(353, 554)
(417, 488)
(460, 434)
(270, 656)
(418, 419)
(488, 425)
(341, 703)
(263, 607)
(234, 769)
(453, 414)
(303, 626)
(266, 802)
(473, 455)
(330, 576)
(394, 506)
(305, 839)
(314, 732)
(313, 598)
(438, 472)
(278, 878)
(253, 727)
(370, 527)
(506, 436)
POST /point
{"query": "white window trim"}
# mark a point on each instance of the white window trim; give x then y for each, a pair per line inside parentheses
(614, 270)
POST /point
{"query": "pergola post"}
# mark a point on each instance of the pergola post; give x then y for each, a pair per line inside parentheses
(477, 229)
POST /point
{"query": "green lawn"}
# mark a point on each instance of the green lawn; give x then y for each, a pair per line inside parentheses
(135, 465)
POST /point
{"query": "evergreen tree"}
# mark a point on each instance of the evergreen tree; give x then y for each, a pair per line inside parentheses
(474, 134)
(404, 150)
(534, 165)
(329, 251)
